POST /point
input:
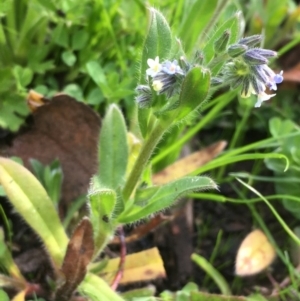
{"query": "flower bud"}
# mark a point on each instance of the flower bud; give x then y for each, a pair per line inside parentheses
(237, 50)
(216, 81)
(221, 44)
(251, 41)
(144, 97)
(199, 57)
(253, 57)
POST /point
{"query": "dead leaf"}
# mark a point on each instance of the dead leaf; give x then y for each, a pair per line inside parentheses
(254, 255)
(188, 164)
(67, 130)
(20, 296)
(141, 266)
(35, 100)
(79, 253)
(144, 229)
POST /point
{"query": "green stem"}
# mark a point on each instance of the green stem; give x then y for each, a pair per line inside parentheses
(143, 158)
(237, 134)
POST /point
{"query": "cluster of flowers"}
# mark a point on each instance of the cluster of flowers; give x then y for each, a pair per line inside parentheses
(247, 67)
(165, 77)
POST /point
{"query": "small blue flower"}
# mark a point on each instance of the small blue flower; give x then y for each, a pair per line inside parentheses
(277, 79)
(171, 67)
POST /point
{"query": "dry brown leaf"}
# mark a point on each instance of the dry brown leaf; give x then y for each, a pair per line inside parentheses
(20, 296)
(188, 164)
(79, 253)
(143, 229)
(35, 100)
(64, 129)
(141, 266)
(254, 255)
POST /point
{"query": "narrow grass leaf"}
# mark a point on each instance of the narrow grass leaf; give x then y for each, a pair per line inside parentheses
(225, 160)
(203, 8)
(281, 221)
(6, 260)
(213, 273)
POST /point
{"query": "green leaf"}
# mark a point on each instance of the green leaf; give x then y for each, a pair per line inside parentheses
(48, 5)
(194, 91)
(60, 35)
(113, 149)
(6, 260)
(79, 39)
(97, 289)
(102, 203)
(3, 296)
(158, 41)
(12, 109)
(144, 116)
(203, 8)
(233, 25)
(97, 74)
(164, 196)
(23, 76)
(75, 91)
(34, 205)
(213, 273)
(69, 58)
(280, 127)
(50, 176)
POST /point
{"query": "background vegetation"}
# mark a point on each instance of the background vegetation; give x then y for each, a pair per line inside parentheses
(91, 49)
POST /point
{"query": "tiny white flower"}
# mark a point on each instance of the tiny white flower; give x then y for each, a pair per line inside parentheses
(154, 65)
(261, 97)
(157, 85)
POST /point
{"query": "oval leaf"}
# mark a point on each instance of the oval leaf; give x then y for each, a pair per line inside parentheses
(194, 91)
(102, 204)
(158, 42)
(113, 149)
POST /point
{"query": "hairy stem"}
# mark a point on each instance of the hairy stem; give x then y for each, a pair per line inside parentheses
(142, 160)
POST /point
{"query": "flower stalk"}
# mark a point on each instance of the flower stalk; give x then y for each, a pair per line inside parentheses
(143, 158)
